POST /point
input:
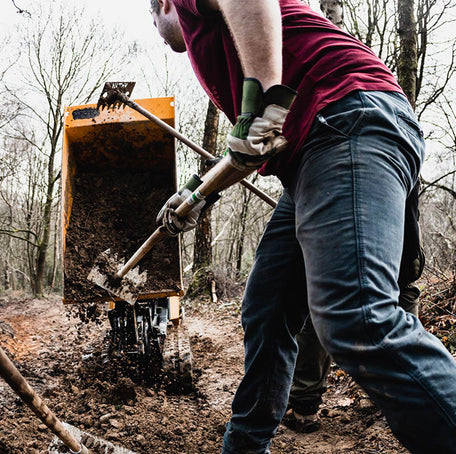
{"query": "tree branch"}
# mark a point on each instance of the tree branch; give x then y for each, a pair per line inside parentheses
(439, 186)
(15, 234)
(20, 10)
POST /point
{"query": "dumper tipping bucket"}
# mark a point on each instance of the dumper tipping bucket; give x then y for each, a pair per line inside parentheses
(118, 169)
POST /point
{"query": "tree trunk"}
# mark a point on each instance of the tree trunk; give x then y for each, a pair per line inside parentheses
(333, 10)
(38, 289)
(242, 224)
(407, 62)
(55, 258)
(6, 277)
(202, 252)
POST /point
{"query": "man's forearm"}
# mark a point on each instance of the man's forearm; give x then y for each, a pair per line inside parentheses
(256, 26)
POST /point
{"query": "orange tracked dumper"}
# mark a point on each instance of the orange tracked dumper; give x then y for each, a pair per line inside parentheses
(118, 169)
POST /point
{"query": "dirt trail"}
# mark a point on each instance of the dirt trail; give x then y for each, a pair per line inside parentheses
(68, 365)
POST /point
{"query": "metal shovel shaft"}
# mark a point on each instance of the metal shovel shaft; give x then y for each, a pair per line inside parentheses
(18, 383)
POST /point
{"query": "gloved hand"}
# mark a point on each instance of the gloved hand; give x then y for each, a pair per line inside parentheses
(257, 135)
(167, 215)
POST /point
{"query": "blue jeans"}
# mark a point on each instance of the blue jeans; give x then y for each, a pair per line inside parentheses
(332, 250)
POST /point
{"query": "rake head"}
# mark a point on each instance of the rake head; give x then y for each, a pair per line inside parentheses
(91, 443)
(115, 94)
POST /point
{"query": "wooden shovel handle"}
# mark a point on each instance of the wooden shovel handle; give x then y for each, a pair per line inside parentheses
(21, 387)
(156, 236)
(216, 179)
(153, 239)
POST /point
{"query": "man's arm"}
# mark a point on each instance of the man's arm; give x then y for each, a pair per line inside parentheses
(256, 28)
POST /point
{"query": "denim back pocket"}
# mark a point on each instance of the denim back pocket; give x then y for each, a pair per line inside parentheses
(344, 124)
(409, 125)
(343, 117)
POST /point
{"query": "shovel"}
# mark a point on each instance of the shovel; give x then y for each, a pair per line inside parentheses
(66, 433)
(111, 272)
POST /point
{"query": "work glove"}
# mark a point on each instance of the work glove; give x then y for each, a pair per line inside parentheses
(167, 216)
(212, 162)
(257, 135)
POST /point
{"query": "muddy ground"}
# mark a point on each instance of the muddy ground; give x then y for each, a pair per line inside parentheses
(66, 363)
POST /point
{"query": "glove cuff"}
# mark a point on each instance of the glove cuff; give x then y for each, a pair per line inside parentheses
(255, 100)
(252, 97)
(192, 184)
(281, 95)
(243, 161)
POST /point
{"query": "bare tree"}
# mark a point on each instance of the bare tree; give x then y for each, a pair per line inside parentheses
(390, 29)
(438, 195)
(66, 59)
(334, 11)
(408, 57)
(9, 110)
(20, 10)
(438, 205)
(202, 252)
(373, 23)
(243, 225)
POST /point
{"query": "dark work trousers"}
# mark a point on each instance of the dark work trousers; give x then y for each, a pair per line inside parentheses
(313, 362)
(332, 251)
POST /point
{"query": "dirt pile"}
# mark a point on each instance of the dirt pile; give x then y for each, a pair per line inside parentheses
(117, 210)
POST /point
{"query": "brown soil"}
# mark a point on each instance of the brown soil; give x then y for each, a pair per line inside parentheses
(117, 210)
(66, 362)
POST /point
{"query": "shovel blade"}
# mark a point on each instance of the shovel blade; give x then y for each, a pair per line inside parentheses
(104, 274)
(94, 445)
(114, 94)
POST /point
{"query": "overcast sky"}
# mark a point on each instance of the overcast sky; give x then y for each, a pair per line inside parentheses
(133, 15)
(130, 17)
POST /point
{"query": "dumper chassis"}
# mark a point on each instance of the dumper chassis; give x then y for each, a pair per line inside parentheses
(154, 345)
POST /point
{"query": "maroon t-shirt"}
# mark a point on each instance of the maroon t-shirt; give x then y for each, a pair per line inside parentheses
(320, 61)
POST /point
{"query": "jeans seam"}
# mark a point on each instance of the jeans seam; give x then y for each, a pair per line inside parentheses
(417, 378)
(359, 240)
(357, 221)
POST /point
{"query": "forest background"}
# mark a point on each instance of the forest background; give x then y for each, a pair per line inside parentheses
(60, 53)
